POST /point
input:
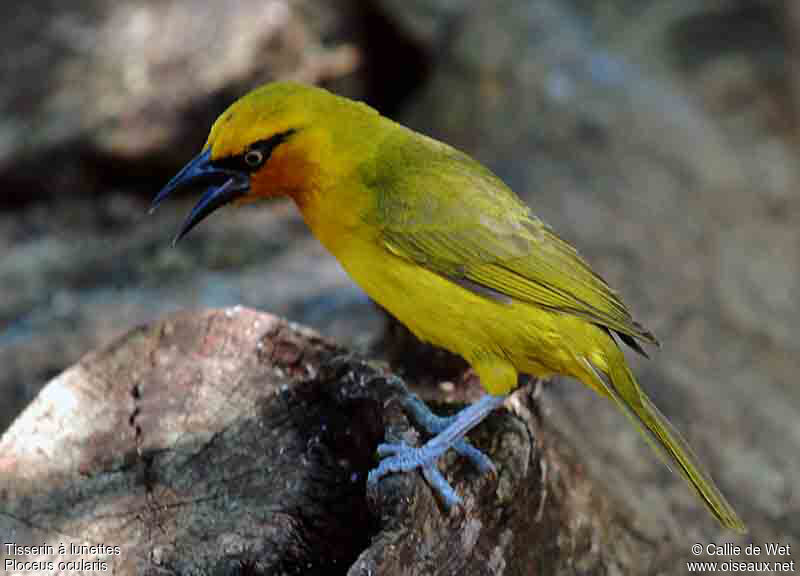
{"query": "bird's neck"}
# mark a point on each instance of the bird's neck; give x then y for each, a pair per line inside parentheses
(335, 196)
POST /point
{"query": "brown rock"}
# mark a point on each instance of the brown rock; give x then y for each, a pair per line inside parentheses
(230, 441)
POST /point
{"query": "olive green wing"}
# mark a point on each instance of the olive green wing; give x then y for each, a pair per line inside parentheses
(442, 210)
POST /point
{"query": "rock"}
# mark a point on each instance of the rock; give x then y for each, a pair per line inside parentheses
(230, 441)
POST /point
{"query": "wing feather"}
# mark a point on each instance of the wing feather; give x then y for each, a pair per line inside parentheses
(454, 217)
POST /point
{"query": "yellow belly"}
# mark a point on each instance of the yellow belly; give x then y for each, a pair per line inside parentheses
(498, 339)
(443, 313)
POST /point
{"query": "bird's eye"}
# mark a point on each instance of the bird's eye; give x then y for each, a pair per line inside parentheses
(254, 158)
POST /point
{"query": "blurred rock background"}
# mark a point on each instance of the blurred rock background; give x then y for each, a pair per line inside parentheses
(660, 137)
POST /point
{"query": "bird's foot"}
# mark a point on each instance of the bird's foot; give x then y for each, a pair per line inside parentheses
(400, 457)
(423, 416)
(449, 433)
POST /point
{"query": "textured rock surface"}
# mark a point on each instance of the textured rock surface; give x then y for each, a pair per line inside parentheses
(231, 442)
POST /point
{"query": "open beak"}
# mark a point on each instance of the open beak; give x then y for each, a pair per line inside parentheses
(222, 186)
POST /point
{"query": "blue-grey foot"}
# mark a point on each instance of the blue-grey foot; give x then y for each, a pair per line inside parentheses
(449, 433)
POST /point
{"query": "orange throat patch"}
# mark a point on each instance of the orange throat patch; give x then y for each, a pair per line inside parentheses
(288, 172)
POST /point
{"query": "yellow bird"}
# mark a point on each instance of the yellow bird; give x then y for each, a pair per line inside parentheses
(448, 249)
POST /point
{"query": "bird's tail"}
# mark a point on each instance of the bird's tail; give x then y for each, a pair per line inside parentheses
(620, 385)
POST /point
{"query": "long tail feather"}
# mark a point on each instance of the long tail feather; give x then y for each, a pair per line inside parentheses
(666, 441)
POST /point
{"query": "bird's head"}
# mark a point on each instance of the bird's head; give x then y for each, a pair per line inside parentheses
(271, 142)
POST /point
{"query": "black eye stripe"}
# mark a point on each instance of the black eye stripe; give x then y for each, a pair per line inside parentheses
(265, 146)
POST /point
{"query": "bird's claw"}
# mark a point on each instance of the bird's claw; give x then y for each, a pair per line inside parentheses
(433, 424)
(441, 486)
(480, 460)
(390, 449)
(400, 457)
(448, 433)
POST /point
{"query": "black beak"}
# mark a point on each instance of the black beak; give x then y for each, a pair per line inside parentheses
(222, 186)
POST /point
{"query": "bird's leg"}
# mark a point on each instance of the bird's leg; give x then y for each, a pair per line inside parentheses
(423, 416)
(449, 433)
